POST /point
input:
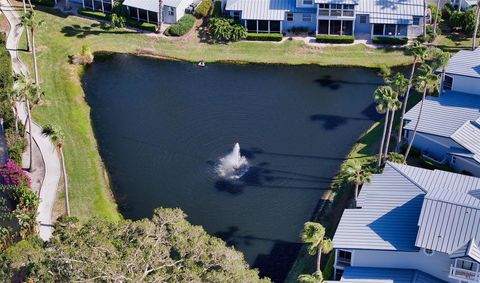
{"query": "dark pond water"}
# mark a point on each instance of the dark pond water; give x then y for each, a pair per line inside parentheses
(162, 126)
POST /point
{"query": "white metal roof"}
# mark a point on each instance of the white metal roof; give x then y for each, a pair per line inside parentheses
(406, 208)
(470, 249)
(152, 5)
(468, 136)
(444, 115)
(465, 63)
(266, 9)
(391, 11)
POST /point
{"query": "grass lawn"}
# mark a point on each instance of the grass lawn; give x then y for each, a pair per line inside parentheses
(63, 35)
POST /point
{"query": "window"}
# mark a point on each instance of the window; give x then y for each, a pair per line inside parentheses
(465, 265)
(289, 17)
(454, 159)
(348, 7)
(307, 17)
(171, 11)
(416, 21)
(377, 29)
(323, 6)
(275, 26)
(447, 83)
(364, 19)
(323, 27)
(236, 15)
(344, 258)
(338, 274)
(307, 2)
(335, 27)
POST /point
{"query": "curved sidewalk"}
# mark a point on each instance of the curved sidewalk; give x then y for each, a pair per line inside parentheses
(49, 153)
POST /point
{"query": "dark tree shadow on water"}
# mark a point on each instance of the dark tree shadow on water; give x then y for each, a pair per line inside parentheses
(328, 82)
(274, 265)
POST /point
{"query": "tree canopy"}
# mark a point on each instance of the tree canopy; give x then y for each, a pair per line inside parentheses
(165, 248)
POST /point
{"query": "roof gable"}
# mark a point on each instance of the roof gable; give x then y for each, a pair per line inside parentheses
(465, 63)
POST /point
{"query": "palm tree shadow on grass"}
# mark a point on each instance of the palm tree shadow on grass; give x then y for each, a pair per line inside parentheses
(94, 29)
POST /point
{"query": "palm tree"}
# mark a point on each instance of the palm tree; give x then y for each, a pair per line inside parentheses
(58, 137)
(424, 18)
(393, 105)
(160, 15)
(440, 60)
(14, 97)
(477, 22)
(29, 21)
(419, 52)
(356, 175)
(26, 30)
(313, 235)
(382, 96)
(436, 17)
(316, 277)
(426, 82)
(32, 95)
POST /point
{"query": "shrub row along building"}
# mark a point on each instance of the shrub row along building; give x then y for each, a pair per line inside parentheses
(382, 18)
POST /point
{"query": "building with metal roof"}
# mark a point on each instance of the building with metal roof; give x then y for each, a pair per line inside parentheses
(389, 18)
(411, 225)
(449, 130)
(462, 74)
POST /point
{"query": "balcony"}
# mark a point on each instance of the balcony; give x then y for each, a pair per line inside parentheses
(463, 274)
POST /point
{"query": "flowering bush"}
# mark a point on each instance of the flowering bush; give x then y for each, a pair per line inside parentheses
(12, 174)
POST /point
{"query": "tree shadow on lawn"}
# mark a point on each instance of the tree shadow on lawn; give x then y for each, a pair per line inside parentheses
(84, 31)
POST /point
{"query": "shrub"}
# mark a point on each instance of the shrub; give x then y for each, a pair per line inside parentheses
(12, 174)
(390, 40)
(226, 30)
(117, 21)
(265, 36)
(16, 145)
(342, 39)
(183, 26)
(203, 9)
(48, 3)
(85, 57)
(299, 30)
(141, 25)
(6, 78)
(217, 9)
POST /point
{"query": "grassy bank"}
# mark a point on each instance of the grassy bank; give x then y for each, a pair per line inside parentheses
(63, 35)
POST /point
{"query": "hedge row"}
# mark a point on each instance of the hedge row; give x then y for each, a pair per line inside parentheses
(6, 79)
(341, 39)
(184, 25)
(203, 9)
(265, 36)
(130, 22)
(49, 3)
(390, 40)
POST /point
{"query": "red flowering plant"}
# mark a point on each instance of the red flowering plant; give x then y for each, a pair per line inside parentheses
(11, 175)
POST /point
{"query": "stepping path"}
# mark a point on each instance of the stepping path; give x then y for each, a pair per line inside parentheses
(48, 191)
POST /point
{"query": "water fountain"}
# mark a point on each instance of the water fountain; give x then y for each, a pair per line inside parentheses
(233, 165)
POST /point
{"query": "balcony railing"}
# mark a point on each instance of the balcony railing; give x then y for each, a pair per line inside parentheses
(459, 273)
(336, 13)
(343, 261)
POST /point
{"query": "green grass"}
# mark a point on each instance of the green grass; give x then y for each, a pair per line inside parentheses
(63, 36)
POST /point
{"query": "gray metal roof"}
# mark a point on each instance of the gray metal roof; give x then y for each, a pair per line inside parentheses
(440, 209)
(465, 63)
(444, 115)
(391, 205)
(470, 249)
(386, 275)
(152, 5)
(266, 9)
(468, 136)
(391, 11)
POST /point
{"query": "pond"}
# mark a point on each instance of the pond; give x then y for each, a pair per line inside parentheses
(163, 125)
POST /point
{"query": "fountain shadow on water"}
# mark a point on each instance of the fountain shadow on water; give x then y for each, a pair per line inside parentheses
(276, 264)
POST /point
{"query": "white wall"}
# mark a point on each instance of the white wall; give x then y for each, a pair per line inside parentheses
(438, 146)
(465, 84)
(437, 264)
(414, 31)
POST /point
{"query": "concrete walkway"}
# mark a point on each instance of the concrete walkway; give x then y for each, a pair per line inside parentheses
(49, 153)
